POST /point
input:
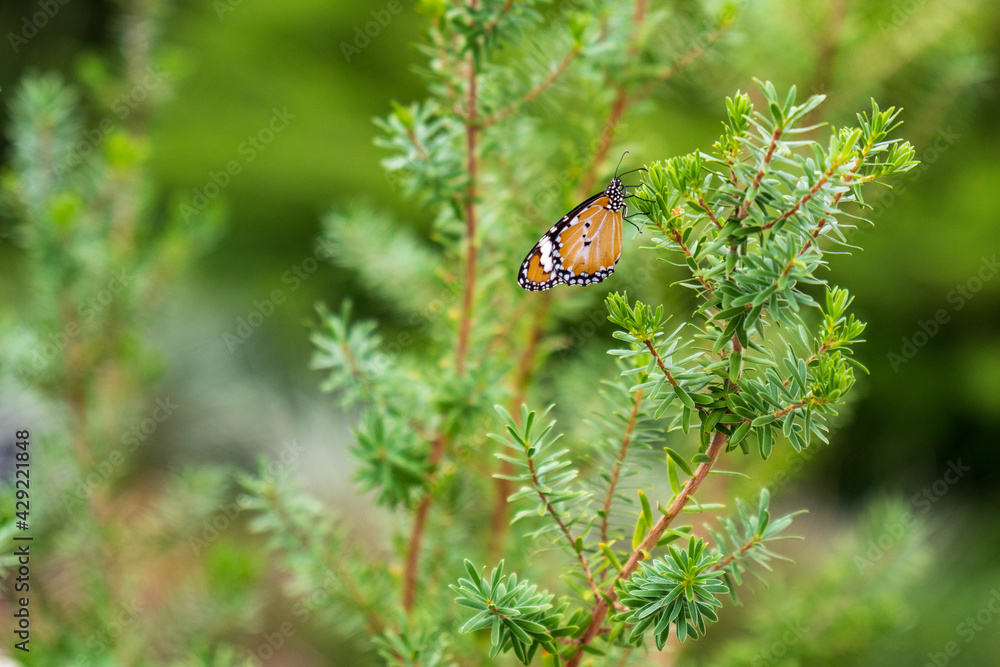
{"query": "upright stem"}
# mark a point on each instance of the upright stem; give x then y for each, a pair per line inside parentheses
(471, 135)
(618, 106)
(616, 473)
(465, 325)
(554, 513)
(417, 531)
(525, 367)
(648, 544)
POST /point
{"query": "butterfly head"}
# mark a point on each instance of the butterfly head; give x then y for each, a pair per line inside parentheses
(615, 193)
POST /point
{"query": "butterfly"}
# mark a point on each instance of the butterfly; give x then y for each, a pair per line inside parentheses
(583, 247)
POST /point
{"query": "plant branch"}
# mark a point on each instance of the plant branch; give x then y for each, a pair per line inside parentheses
(659, 361)
(775, 137)
(711, 214)
(375, 622)
(676, 237)
(619, 104)
(562, 524)
(471, 132)
(754, 541)
(534, 92)
(492, 23)
(417, 531)
(821, 224)
(827, 344)
(619, 461)
(648, 544)
(525, 368)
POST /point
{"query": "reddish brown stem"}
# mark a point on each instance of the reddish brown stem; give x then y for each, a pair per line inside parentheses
(808, 400)
(679, 240)
(820, 182)
(821, 224)
(731, 557)
(562, 526)
(622, 452)
(525, 368)
(465, 326)
(471, 131)
(607, 138)
(417, 532)
(602, 605)
(534, 92)
(823, 348)
(659, 361)
(711, 214)
(742, 213)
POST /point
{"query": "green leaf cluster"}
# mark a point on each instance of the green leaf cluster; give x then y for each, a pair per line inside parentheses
(677, 591)
(520, 616)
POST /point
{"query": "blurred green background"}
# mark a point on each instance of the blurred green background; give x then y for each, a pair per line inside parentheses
(933, 396)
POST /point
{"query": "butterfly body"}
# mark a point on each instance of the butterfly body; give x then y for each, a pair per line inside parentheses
(582, 248)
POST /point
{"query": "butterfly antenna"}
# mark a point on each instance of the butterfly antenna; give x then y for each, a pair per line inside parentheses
(620, 164)
(637, 228)
(626, 173)
(648, 201)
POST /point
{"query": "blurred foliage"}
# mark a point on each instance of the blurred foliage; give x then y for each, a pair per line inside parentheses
(227, 72)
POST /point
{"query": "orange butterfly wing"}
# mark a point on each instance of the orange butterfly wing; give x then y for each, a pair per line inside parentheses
(580, 249)
(590, 249)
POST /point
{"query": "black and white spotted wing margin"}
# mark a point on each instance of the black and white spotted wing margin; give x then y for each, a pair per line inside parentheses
(582, 248)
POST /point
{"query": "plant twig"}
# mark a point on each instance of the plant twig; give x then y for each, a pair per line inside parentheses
(417, 531)
(711, 214)
(492, 23)
(742, 212)
(562, 525)
(822, 222)
(676, 237)
(618, 106)
(465, 325)
(534, 92)
(754, 541)
(619, 461)
(659, 361)
(648, 544)
(525, 368)
(471, 132)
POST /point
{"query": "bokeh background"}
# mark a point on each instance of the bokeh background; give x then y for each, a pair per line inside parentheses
(930, 404)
